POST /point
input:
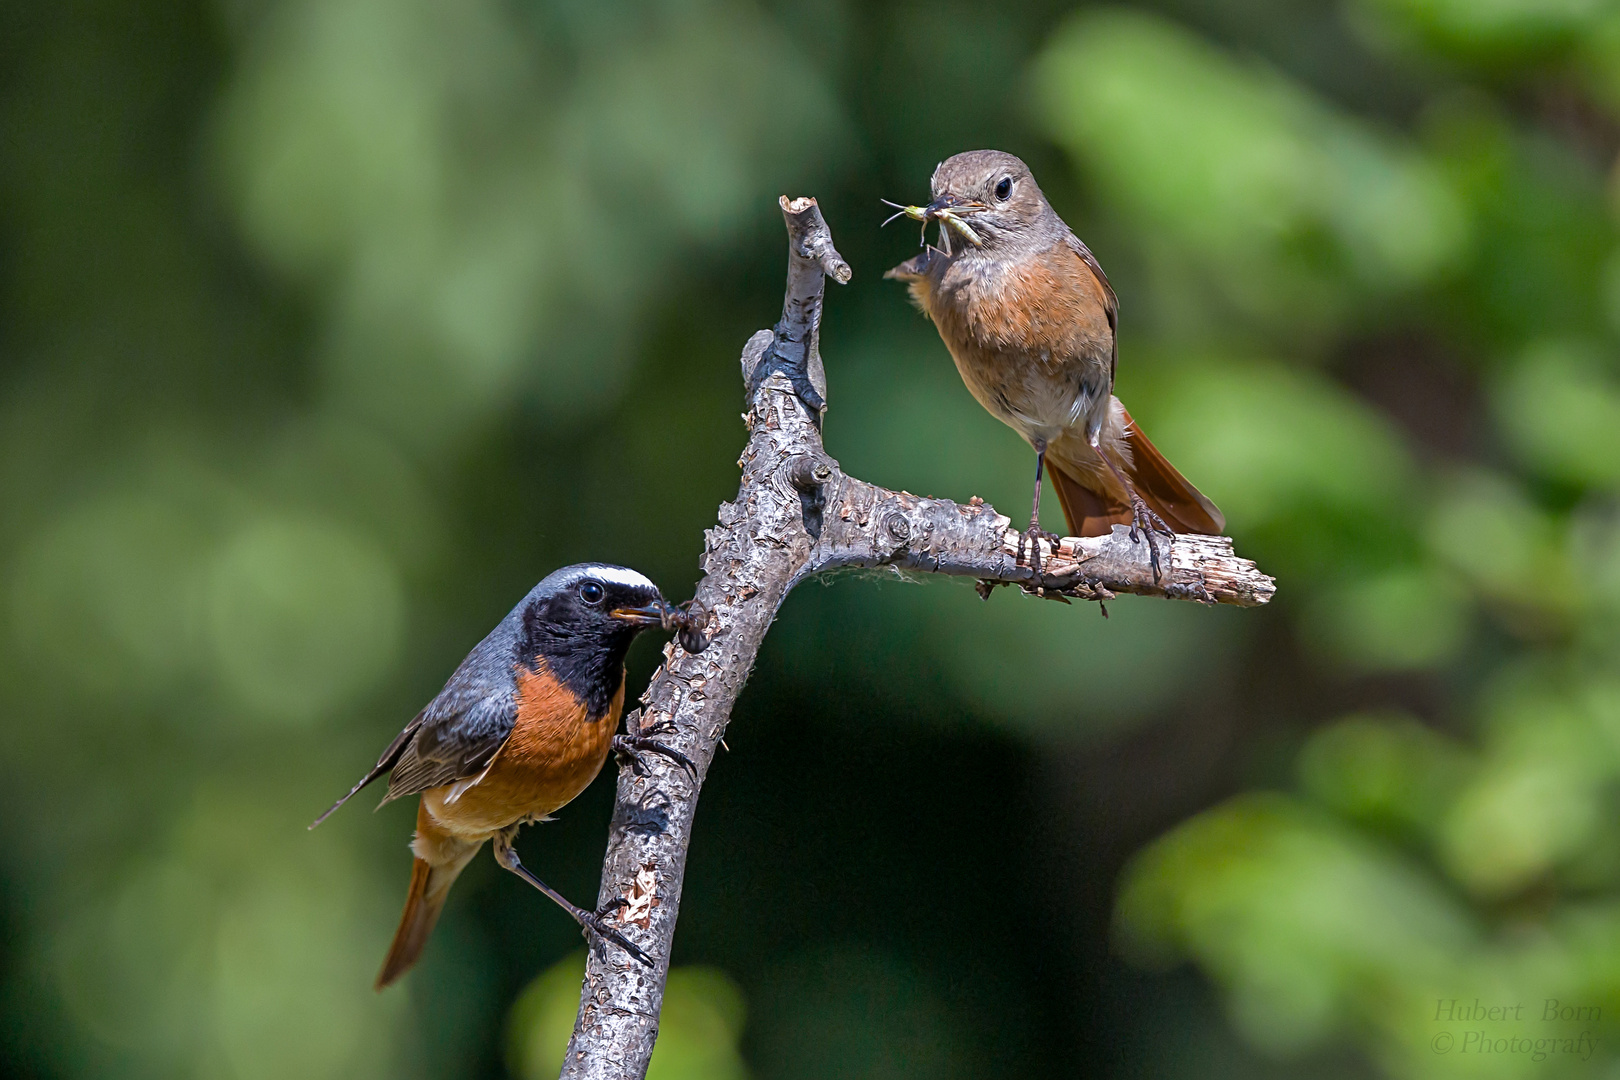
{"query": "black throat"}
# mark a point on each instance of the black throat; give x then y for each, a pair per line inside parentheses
(587, 659)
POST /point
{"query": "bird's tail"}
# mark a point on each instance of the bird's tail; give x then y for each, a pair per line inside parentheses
(1091, 505)
(431, 879)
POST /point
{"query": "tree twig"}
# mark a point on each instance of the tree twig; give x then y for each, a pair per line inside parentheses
(797, 515)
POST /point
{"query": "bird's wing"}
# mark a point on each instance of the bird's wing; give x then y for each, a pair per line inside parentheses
(456, 740)
(915, 267)
(459, 731)
(384, 763)
(1110, 302)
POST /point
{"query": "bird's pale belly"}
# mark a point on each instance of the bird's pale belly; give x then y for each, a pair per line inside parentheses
(1044, 378)
(1023, 392)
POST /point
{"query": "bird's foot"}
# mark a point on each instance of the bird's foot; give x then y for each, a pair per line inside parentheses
(630, 748)
(1144, 519)
(592, 922)
(596, 922)
(1033, 537)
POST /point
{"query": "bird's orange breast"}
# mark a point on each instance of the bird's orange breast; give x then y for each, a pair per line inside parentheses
(553, 753)
(1030, 336)
(1048, 306)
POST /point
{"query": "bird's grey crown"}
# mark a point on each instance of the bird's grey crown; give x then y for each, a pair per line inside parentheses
(971, 170)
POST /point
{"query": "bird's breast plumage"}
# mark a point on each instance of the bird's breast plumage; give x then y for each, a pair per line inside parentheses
(1030, 335)
(555, 750)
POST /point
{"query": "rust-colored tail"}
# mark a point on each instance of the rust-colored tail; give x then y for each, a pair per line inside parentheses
(1092, 510)
(430, 885)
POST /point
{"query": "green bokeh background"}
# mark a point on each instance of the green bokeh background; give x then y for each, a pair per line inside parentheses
(328, 327)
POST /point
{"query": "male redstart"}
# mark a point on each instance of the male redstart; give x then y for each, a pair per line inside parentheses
(1030, 320)
(522, 727)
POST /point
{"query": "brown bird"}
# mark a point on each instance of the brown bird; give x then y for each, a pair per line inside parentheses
(522, 727)
(1031, 321)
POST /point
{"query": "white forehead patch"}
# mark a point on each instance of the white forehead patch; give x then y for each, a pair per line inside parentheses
(617, 575)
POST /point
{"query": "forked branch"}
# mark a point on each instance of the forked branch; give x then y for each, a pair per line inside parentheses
(797, 515)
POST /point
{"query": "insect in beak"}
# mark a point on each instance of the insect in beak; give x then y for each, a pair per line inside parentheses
(915, 213)
(947, 211)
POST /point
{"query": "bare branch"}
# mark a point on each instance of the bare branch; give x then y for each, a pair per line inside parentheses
(797, 515)
(794, 345)
(870, 526)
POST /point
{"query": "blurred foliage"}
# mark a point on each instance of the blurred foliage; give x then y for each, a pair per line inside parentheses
(483, 197)
(1407, 867)
(698, 1028)
(1287, 207)
(327, 328)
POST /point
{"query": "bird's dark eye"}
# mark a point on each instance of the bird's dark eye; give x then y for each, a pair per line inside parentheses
(591, 592)
(1004, 188)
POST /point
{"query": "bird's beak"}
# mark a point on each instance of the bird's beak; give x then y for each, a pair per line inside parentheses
(950, 204)
(948, 210)
(657, 613)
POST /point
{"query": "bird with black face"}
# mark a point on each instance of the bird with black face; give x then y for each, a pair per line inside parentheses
(524, 725)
